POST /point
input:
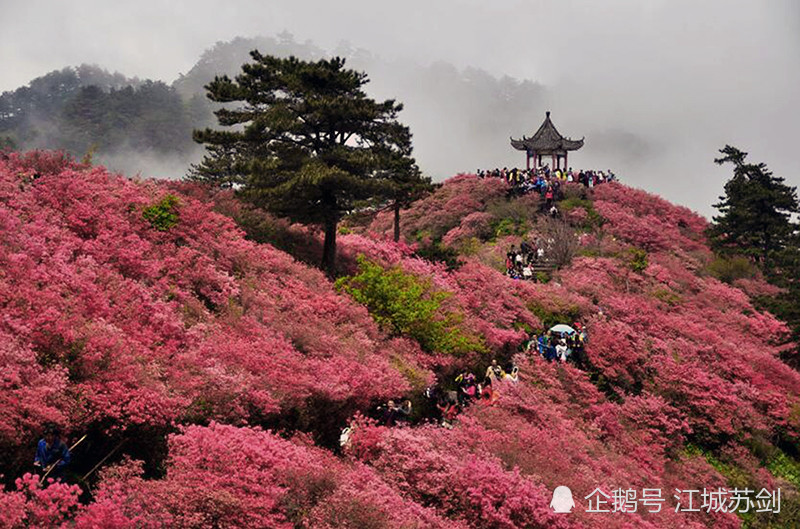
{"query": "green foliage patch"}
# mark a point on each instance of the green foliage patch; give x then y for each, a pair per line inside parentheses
(506, 227)
(549, 318)
(667, 295)
(636, 259)
(162, 215)
(730, 269)
(408, 305)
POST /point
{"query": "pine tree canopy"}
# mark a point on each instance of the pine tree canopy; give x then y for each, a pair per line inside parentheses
(303, 140)
(756, 211)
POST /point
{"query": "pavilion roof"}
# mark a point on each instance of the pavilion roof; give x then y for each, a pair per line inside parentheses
(546, 140)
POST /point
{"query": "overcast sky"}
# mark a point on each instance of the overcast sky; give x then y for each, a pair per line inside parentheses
(688, 76)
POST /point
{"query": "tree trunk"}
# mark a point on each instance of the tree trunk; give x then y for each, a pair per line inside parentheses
(396, 221)
(329, 248)
(767, 247)
(331, 223)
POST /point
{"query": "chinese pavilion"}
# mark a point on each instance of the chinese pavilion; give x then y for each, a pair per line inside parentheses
(546, 142)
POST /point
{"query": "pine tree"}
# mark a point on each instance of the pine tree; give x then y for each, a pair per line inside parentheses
(755, 213)
(304, 142)
(756, 221)
(407, 184)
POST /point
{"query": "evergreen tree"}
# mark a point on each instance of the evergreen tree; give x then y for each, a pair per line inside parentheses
(755, 213)
(407, 184)
(303, 140)
(756, 221)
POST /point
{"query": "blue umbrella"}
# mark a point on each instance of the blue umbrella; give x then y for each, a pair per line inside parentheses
(562, 328)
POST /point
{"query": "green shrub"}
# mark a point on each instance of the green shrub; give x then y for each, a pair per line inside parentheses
(785, 467)
(590, 252)
(575, 202)
(421, 235)
(636, 259)
(517, 210)
(779, 464)
(437, 252)
(162, 215)
(408, 305)
(667, 296)
(506, 227)
(470, 246)
(549, 318)
(736, 476)
(731, 269)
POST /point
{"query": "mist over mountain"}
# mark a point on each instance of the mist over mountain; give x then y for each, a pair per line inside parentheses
(461, 118)
(131, 125)
(683, 78)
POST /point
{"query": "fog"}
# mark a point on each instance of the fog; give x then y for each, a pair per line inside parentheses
(655, 86)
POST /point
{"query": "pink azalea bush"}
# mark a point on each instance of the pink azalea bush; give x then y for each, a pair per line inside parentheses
(245, 477)
(646, 220)
(475, 225)
(434, 216)
(118, 323)
(37, 504)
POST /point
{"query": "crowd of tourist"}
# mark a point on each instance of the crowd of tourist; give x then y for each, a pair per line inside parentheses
(471, 389)
(521, 262)
(560, 345)
(545, 180)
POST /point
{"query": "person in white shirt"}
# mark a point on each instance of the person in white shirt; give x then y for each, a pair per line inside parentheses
(527, 272)
(561, 351)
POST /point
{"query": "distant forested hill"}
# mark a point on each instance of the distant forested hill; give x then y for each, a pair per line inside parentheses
(87, 108)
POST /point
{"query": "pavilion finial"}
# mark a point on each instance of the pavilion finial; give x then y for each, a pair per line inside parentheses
(547, 114)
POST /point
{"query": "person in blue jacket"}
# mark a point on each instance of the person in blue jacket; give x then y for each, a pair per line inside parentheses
(52, 450)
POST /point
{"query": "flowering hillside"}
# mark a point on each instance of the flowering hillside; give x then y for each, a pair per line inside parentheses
(113, 320)
(131, 311)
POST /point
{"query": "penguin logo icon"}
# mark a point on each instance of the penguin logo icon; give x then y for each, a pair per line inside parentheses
(562, 500)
